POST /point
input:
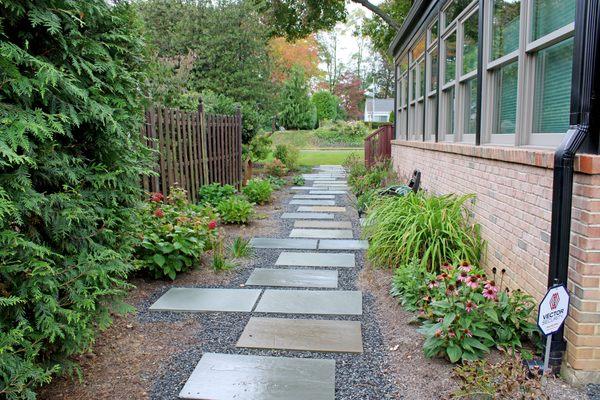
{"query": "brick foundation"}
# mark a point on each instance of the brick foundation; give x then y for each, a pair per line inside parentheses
(513, 206)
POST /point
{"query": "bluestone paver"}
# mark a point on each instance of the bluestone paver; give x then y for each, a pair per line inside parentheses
(326, 244)
(323, 224)
(321, 209)
(314, 196)
(247, 377)
(293, 278)
(278, 243)
(313, 202)
(300, 215)
(322, 233)
(317, 302)
(302, 335)
(328, 192)
(206, 300)
(298, 259)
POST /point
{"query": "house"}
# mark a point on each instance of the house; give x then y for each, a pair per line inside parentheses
(494, 98)
(378, 110)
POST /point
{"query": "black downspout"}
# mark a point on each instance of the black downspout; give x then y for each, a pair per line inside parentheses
(583, 105)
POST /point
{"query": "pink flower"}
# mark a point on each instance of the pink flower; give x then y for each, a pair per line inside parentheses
(212, 225)
(490, 294)
(438, 333)
(470, 306)
(468, 333)
(447, 267)
(491, 285)
(451, 334)
(472, 282)
(157, 197)
(443, 276)
(159, 213)
(463, 276)
(433, 284)
(465, 267)
(451, 290)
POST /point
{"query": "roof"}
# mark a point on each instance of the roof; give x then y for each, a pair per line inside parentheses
(381, 105)
(415, 14)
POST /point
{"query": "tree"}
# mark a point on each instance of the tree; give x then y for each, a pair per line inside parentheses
(303, 53)
(71, 157)
(327, 105)
(298, 18)
(297, 111)
(382, 35)
(351, 94)
(328, 46)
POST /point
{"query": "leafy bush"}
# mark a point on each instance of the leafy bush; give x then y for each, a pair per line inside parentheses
(276, 182)
(219, 261)
(288, 155)
(464, 313)
(298, 180)
(297, 111)
(235, 210)
(258, 191)
(276, 168)
(258, 149)
(71, 158)
(175, 234)
(241, 247)
(342, 132)
(432, 229)
(215, 192)
(506, 379)
(327, 105)
(252, 120)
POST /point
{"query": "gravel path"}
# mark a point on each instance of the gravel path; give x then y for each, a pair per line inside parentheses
(358, 376)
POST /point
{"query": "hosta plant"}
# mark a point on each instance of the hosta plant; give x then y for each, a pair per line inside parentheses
(215, 192)
(299, 180)
(276, 182)
(175, 234)
(235, 210)
(258, 191)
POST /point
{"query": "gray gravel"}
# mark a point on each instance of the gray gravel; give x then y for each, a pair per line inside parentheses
(360, 376)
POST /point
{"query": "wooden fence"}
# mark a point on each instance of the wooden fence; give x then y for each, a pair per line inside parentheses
(378, 145)
(194, 149)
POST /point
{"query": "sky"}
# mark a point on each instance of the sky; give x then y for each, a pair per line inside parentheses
(348, 43)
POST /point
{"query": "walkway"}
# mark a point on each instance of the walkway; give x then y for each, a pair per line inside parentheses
(303, 316)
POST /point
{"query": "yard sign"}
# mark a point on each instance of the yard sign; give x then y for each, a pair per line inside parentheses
(552, 312)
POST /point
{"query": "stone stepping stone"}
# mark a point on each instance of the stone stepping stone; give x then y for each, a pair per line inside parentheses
(297, 259)
(323, 224)
(277, 243)
(343, 244)
(206, 300)
(293, 278)
(314, 197)
(328, 192)
(313, 202)
(331, 183)
(297, 215)
(321, 209)
(317, 302)
(246, 377)
(302, 335)
(322, 233)
(304, 188)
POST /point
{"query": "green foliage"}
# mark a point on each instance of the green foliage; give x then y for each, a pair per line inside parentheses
(241, 248)
(276, 168)
(258, 149)
(392, 117)
(175, 234)
(433, 229)
(298, 180)
(235, 210)
(288, 155)
(252, 120)
(70, 165)
(327, 105)
(297, 111)
(219, 261)
(258, 191)
(276, 182)
(380, 33)
(363, 180)
(464, 314)
(215, 192)
(505, 379)
(349, 133)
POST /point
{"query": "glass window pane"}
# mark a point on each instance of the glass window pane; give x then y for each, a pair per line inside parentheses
(470, 44)
(550, 15)
(433, 32)
(449, 107)
(404, 87)
(505, 27)
(552, 97)
(506, 80)
(433, 70)
(450, 64)
(418, 48)
(421, 68)
(413, 83)
(403, 65)
(471, 106)
(454, 9)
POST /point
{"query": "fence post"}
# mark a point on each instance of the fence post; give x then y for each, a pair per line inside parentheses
(203, 141)
(238, 119)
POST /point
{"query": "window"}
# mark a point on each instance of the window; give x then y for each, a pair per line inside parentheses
(431, 83)
(506, 99)
(402, 96)
(448, 120)
(550, 15)
(454, 9)
(450, 58)
(470, 107)
(470, 44)
(505, 27)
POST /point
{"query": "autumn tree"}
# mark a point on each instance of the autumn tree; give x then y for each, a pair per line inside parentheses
(302, 53)
(350, 92)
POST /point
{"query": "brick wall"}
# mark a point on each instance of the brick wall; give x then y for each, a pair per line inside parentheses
(513, 206)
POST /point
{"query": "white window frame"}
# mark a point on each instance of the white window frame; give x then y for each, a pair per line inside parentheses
(431, 98)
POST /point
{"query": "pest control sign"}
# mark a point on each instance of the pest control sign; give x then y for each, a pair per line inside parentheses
(553, 310)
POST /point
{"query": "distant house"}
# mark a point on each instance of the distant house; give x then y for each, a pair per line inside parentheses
(378, 110)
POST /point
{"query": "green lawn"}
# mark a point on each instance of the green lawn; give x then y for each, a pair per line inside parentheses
(306, 140)
(326, 156)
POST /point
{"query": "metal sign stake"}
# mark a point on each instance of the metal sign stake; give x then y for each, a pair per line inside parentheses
(546, 358)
